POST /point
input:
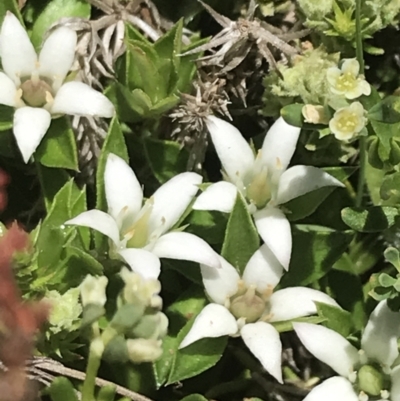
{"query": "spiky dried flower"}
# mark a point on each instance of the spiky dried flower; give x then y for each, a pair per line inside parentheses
(237, 38)
(190, 115)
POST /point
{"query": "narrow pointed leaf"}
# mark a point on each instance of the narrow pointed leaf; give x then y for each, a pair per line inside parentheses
(241, 237)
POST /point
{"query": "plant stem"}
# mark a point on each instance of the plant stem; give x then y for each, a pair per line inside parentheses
(95, 352)
(363, 143)
(359, 42)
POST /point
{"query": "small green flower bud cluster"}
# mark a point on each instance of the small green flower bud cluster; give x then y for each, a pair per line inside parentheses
(298, 85)
(137, 327)
(336, 18)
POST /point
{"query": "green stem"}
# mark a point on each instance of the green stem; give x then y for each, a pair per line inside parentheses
(363, 143)
(361, 174)
(95, 352)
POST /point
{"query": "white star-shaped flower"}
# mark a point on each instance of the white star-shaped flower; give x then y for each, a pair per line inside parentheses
(371, 373)
(34, 84)
(247, 306)
(139, 233)
(264, 180)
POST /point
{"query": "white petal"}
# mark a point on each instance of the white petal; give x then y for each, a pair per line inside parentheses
(57, 55)
(79, 99)
(18, 55)
(351, 66)
(220, 196)
(8, 91)
(221, 283)
(263, 341)
(185, 246)
(123, 191)
(279, 145)
(172, 199)
(395, 389)
(99, 221)
(236, 156)
(329, 347)
(30, 126)
(333, 389)
(294, 302)
(299, 180)
(274, 229)
(379, 339)
(213, 321)
(142, 262)
(263, 270)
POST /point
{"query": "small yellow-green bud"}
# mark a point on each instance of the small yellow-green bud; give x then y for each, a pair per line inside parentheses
(143, 350)
(93, 290)
(370, 380)
(314, 114)
(138, 289)
(65, 309)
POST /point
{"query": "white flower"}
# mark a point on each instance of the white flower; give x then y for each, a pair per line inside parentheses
(347, 81)
(347, 122)
(370, 372)
(140, 234)
(34, 84)
(265, 180)
(244, 306)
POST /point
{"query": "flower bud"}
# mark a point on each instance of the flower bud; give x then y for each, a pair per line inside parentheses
(152, 326)
(143, 350)
(370, 380)
(93, 290)
(314, 114)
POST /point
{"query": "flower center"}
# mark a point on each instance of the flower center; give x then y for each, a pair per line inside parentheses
(248, 304)
(138, 233)
(36, 92)
(348, 122)
(259, 190)
(346, 82)
(372, 383)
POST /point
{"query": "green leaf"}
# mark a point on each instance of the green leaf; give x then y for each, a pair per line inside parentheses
(287, 325)
(371, 219)
(336, 318)
(130, 107)
(346, 288)
(61, 389)
(386, 111)
(83, 260)
(305, 205)
(6, 117)
(55, 10)
(168, 48)
(194, 397)
(183, 309)
(392, 256)
(209, 225)
(371, 100)
(58, 147)
(164, 105)
(9, 5)
(143, 70)
(315, 250)
(197, 357)
(241, 237)
(51, 181)
(386, 281)
(390, 189)
(166, 158)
